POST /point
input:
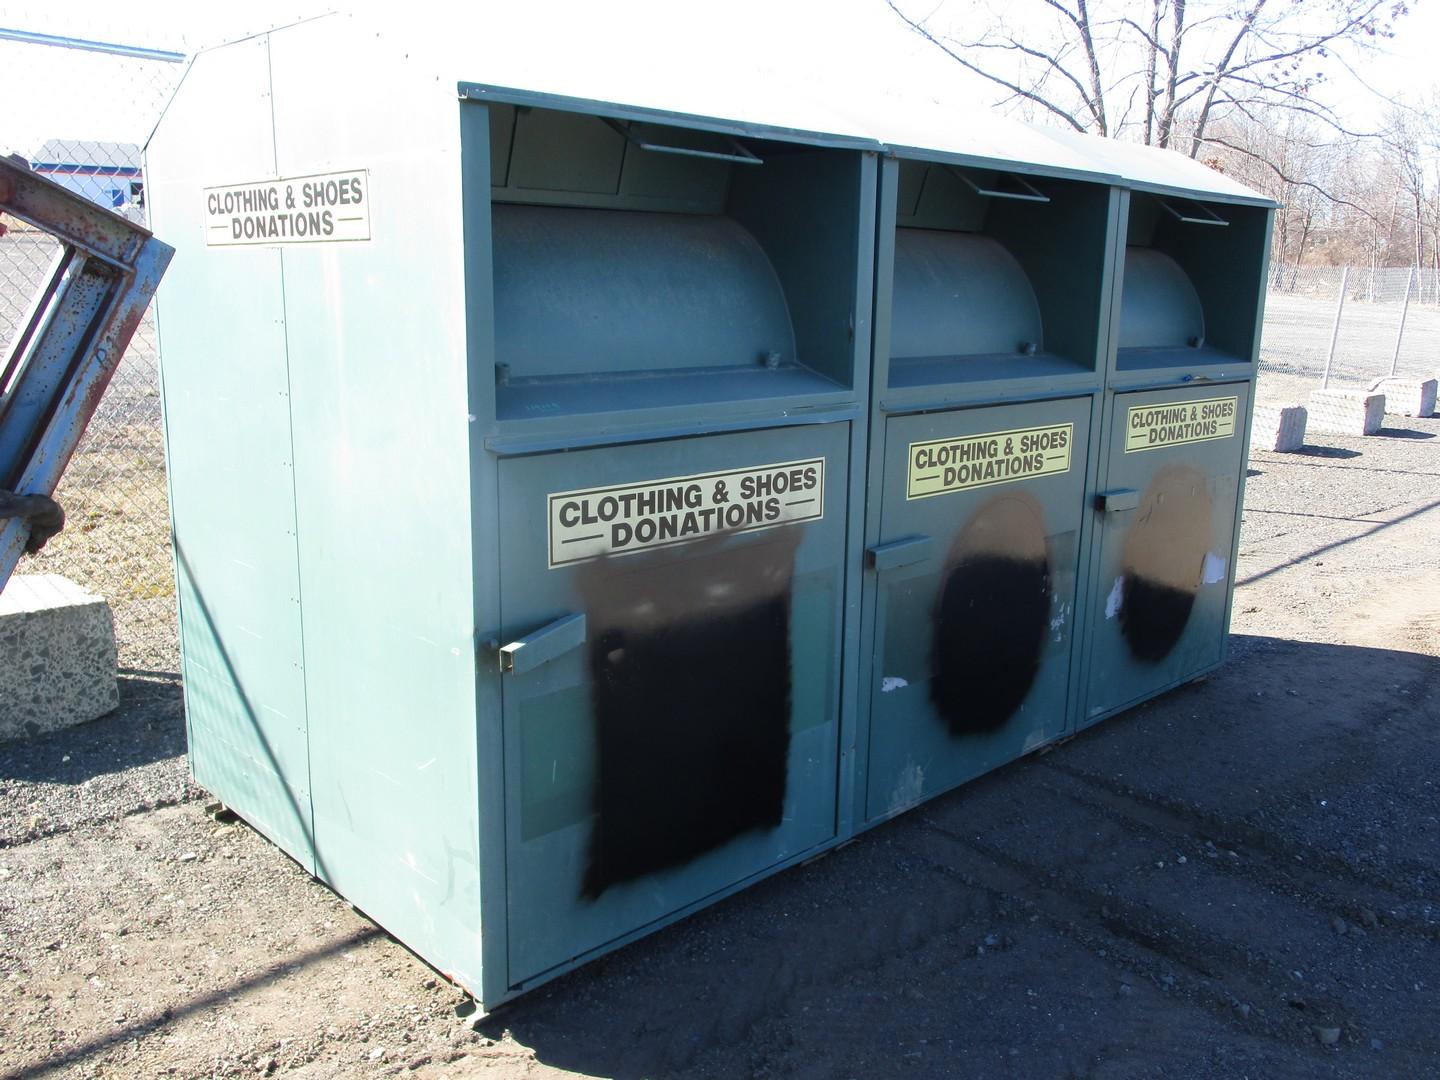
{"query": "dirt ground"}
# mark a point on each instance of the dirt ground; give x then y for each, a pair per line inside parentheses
(1241, 879)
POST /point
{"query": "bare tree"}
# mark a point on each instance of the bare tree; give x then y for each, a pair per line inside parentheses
(1406, 136)
(1280, 154)
(1188, 63)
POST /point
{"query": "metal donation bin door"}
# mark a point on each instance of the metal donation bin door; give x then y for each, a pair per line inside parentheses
(995, 293)
(1169, 507)
(672, 598)
(678, 728)
(1175, 446)
(976, 599)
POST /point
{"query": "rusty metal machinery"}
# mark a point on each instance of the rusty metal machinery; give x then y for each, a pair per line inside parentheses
(66, 348)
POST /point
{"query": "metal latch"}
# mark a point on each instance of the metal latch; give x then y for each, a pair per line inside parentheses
(544, 645)
(1118, 499)
(898, 553)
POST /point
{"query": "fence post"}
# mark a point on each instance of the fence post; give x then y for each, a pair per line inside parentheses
(1404, 308)
(1335, 333)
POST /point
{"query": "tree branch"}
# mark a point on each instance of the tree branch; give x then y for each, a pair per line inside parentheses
(1216, 140)
(1246, 24)
(1293, 103)
(1018, 91)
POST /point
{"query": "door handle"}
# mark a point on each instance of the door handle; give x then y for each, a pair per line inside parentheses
(550, 641)
(897, 553)
(1117, 499)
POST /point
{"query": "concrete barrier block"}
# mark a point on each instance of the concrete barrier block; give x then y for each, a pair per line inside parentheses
(1280, 428)
(57, 656)
(1346, 412)
(1408, 397)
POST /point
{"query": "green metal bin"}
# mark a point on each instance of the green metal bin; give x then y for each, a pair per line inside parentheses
(1181, 385)
(515, 446)
(992, 306)
(586, 505)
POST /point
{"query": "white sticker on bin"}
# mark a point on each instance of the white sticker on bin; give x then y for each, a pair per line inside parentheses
(323, 208)
(630, 518)
(1212, 570)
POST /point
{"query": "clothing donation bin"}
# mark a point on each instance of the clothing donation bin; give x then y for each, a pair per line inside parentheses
(561, 545)
(991, 324)
(1181, 387)
(511, 439)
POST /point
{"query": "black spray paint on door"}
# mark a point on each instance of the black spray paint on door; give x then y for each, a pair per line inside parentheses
(690, 669)
(991, 615)
(1164, 560)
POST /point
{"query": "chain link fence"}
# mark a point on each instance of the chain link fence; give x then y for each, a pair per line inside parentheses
(1377, 330)
(86, 130)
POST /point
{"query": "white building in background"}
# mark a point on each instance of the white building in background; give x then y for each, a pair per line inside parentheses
(104, 172)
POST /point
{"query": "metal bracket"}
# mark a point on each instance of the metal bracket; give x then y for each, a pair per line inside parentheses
(1028, 192)
(898, 553)
(69, 344)
(1191, 212)
(741, 156)
(549, 642)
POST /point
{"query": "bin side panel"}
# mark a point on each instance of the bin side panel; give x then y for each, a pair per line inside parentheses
(230, 468)
(380, 398)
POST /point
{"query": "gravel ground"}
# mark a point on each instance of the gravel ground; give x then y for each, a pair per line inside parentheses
(1241, 878)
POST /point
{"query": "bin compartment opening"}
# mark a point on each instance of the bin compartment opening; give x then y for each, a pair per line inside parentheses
(1192, 283)
(590, 303)
(959, 296)
(1159, 307)
(993, 276)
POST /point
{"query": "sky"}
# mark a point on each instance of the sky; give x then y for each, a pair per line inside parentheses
(49, 93)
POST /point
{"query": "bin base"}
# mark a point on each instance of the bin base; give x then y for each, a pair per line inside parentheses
(1346, 412)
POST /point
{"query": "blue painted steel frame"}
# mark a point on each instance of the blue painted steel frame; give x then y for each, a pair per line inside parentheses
(73, 338)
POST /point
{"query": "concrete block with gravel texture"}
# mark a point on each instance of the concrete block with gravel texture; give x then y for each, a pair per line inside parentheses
(1346, 412)
(57, 656)
(1408, 397)
(1280, 428)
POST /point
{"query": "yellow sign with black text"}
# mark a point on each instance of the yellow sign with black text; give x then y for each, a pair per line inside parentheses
(941, 466)
(1150, 427)
(629, 518)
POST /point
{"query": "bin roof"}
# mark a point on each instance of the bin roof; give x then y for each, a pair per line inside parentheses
(510, 54)
(1151, 168)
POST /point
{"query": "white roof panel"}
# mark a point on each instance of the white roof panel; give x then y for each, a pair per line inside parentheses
(594, 54)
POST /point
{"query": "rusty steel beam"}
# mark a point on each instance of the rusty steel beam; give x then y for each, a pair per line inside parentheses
(67, 348)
